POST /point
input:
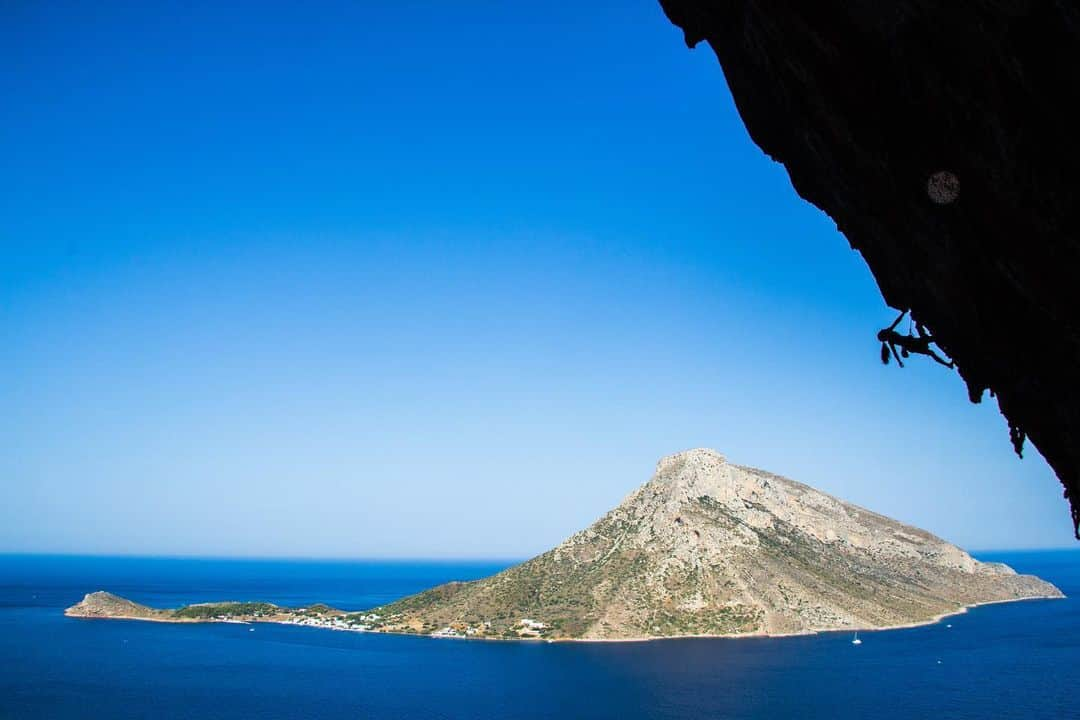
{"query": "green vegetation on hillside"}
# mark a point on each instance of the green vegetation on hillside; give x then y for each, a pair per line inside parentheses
(205, 611)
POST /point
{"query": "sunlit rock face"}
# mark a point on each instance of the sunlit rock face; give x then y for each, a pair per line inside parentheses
(941, 137)
(706, 547)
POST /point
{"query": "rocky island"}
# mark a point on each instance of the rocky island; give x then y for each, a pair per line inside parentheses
(704, 548)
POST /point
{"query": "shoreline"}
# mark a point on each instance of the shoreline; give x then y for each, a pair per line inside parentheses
(764, 635)
(724, 636)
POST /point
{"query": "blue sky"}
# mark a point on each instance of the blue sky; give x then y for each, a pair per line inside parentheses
(428, 279)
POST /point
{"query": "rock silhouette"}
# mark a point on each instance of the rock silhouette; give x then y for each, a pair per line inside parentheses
(941, 137)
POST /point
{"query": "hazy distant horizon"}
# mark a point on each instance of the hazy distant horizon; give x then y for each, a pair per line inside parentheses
(401, 560)
(345, 283)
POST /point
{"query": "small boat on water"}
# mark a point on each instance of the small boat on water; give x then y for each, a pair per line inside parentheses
(856, 641)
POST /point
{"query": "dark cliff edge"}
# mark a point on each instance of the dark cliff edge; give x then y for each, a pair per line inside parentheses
(940, 137)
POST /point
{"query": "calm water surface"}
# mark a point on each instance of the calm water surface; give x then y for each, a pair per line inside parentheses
(1016, 660)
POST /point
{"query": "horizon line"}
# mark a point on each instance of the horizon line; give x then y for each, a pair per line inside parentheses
(387, 558)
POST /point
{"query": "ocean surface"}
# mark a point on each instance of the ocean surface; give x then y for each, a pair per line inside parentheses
(1017, 660)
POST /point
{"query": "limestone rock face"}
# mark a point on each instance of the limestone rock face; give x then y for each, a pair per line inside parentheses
(103, 604)
(941, 138)
(707, 547)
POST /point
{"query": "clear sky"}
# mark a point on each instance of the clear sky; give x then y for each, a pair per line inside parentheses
(428, 279)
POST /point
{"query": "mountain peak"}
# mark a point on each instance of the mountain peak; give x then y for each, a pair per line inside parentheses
(695, 458)
(707, 547)
(690, 475)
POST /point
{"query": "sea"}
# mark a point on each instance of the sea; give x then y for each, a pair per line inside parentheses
(1014, 660)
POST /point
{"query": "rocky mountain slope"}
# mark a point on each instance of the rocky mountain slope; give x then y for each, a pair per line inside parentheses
(706, 547)
(103, 604)
(106, 605)
(703, 548)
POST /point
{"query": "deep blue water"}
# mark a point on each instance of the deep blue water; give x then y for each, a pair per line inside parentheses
(1014, 660)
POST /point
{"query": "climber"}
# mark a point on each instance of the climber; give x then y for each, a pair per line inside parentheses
(918, 344)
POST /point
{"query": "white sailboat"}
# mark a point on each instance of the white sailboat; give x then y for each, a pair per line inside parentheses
(856, 641)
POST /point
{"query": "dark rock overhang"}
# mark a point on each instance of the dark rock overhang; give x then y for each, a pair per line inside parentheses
(941, 137)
